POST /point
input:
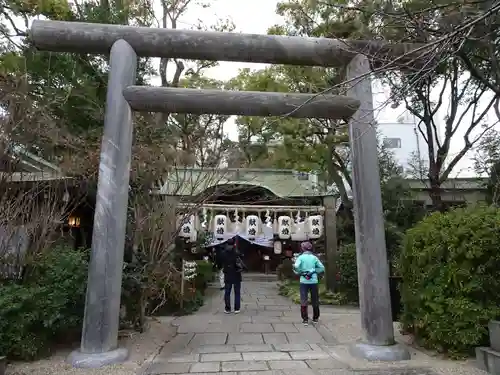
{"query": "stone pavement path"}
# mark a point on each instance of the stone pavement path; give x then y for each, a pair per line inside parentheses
(267, 338)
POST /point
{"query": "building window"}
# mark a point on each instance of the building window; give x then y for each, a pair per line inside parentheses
(392, 142)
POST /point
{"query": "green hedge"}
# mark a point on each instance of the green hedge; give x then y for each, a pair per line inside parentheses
(291, 289)
(450, 266)
(48, 306)
(347, 273)
(204, 275)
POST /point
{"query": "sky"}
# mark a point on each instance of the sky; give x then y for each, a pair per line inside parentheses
(256, 17)
(253, 17)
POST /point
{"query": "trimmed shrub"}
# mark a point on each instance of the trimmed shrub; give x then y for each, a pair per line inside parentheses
(46, 307)
(204, 275)
(348, 272)
(291, 289)
(450, 286)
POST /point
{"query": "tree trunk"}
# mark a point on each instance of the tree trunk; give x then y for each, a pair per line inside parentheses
(435, 195)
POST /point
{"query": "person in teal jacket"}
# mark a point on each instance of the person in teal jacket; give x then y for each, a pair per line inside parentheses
(308, 266)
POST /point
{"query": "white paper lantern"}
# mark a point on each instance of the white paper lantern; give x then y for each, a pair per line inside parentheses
(277, 247)
(187, 228)
(299, 232)
(252, 227)
(234, 227)
(284, 227)
(315, 226)
(220, 226)
(194, 236)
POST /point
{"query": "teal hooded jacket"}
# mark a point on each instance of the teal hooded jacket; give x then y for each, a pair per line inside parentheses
(307, 262)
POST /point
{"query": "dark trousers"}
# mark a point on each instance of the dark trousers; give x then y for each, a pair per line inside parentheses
(237, 294)
(305, 289)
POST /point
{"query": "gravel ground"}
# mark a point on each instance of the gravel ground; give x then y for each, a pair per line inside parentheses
(141, 346)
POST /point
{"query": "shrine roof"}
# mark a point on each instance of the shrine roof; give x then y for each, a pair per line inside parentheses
(281, 182)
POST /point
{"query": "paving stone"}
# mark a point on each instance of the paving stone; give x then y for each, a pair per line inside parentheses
(244, 366)
(168, 368)
(269, 313)
(318, 347)
(302, 328)
(291, 319)
(312, 337)
(245, 338)
(256, 327)
(284, 327)
(208, 339)
(285, 365)
(192, 327)
(275, 338)
(266, 319)
(277, 308)
(254, 348)
(181, 357)
(274, 302)
(295, 371)
(205, 367)
(398, 371)
(309, 355)
(271, 372)
(265, 356)
(327, 335)
(291, 347)
(217, 357)
(249, 313)
(271, 342)
(214, 349)
(339, 372)
(321, 364)
(221, 327)
(178, 343)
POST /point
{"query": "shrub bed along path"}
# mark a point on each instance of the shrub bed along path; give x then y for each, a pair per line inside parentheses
(267, 338)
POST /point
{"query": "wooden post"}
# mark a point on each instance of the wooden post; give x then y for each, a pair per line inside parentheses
(182, 283)
(330, 242)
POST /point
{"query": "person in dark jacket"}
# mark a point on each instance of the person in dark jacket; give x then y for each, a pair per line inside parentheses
(232, 268)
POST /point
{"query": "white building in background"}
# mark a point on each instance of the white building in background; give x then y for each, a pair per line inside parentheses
(404, 139)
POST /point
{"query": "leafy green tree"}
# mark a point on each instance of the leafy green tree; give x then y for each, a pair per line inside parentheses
(300, 144)
(447, 95)
(55, 101)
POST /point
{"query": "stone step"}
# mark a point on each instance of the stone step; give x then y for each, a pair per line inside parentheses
(494, 330)
(488, 360)
(260, 277)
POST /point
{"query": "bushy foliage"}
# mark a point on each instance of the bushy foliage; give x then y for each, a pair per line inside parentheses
(347, 272)
(449, 266)
(204, 275)
(285, 270)
(46, 306)
(290, 289)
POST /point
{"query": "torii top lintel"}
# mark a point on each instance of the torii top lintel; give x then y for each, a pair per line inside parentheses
(79, 37)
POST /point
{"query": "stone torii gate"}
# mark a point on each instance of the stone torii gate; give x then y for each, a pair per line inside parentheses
(124, 43)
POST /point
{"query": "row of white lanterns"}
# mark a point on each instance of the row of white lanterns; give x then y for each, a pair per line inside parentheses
(287, 228)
